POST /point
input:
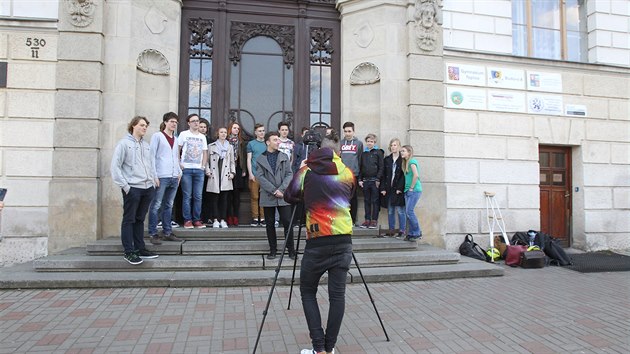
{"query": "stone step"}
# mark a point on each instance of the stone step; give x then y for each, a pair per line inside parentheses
(22, 276)
(113, 246)
(87, 263)
(248, 233)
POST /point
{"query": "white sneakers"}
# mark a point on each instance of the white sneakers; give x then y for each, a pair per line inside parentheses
(312, 351)
(223, 224)
(216, 224)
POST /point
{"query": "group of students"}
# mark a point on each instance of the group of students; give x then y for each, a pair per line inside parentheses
(149, 175)
(390, 182)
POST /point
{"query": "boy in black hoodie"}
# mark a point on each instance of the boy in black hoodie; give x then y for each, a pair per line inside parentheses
(370, 173)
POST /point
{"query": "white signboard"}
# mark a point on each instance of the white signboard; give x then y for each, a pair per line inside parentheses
(506, 101)
(506, 78)
(465, 98)
(544, 104)
(575, 110)
(465, 74)
(542, 81)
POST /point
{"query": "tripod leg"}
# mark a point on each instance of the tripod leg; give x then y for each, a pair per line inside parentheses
(275, 280)
(297, 247)
(370, 295)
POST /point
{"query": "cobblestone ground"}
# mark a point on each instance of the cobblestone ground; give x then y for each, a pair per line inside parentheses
(549, 310)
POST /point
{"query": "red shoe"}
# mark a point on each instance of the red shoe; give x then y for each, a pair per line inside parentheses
(235, 220)
(188, 224)
(365, 224)
(198, 225)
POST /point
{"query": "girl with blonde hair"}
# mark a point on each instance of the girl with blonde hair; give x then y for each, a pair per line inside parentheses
(413, 191)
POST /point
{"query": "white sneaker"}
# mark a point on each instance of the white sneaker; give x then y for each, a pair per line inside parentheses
(223, 224)
(312, 351)
(159, 225)
(216, 224)
(276, 224)
(174, 224)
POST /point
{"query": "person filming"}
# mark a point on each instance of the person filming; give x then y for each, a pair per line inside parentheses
(325, 185)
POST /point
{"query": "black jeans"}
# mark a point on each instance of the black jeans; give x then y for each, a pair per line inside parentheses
(135, 207)
(219, 202)
(285, 219)
(353, 207)
(371, 201)
(315, 262)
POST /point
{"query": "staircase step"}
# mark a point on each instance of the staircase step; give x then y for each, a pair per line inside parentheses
(249, 232)
(112, 246)
(23, 277)
(79, 263)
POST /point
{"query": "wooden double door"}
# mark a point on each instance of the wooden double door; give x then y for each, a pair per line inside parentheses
(555, 192)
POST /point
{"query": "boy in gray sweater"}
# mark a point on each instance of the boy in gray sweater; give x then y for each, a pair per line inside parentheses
(350, 151)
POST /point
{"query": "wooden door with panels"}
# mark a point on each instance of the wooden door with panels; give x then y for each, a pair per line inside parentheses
(555, 192)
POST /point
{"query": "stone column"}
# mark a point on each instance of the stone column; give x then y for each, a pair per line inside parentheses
(426, 113)
(74, 206)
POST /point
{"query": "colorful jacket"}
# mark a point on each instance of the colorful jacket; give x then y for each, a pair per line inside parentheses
(326, 186)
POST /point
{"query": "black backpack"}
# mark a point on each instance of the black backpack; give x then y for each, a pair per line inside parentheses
(470, 248)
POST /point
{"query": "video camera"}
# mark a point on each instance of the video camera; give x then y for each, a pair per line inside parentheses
(312, 138)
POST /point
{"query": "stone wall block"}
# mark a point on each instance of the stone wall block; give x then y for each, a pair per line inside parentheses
(596, 152)
(608, 131)
(426, 68)
(471, 196)
(505, 124)
(493, 43)
(14, 225)
(74, 212)
(34, 46)
(30, 104)
(620, 153)
(598, 198)
(427, 143)
(606, 86)
(72, 133)
(31, 75)
(28, 163)
(559, 131)
(523, 197)
(607, 221)
(4, 38)
(621, 198)
(619, 109)
(597, 107)
(427, 118)
(494, 8)
(81, 46)
(78, 104)
(15, 250)
(79, 75)
(515, 220)
(39, 133)
(512, 172)
(598, 175)
(23, 192)
(475, 147)
(3, 105)
(522, 149)
(465, 221)
(431, 169)
(431, 212)
(430, 93)
(459, 39)
(461, 171)
(573, 83)
(75, 163)
(460, 121)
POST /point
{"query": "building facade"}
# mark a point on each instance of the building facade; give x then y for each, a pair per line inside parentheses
(529, 100)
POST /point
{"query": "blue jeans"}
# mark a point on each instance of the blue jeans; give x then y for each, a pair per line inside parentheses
(135, 206)
(192, 187)
(316, 261)
(411, 199)
(162, 205)
(392, 211)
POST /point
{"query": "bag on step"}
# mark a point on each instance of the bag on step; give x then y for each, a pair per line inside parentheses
(471, 249)
(533, 257)
(513, 255)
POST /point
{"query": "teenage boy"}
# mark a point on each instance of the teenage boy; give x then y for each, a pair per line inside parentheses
(273, 172)
(131, 171)
(370, 176)
(286, 145)
(351, 150)
(167, 172)
(254, 149)
(193, 148)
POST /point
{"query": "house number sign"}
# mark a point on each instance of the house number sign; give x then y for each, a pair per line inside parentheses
(35, 44)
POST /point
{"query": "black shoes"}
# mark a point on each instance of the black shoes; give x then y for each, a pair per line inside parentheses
(271, 255)
(155, 240)
(171, 237)
(145, 254)
(132, 258)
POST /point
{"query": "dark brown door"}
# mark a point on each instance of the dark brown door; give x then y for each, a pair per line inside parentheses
(555, 192)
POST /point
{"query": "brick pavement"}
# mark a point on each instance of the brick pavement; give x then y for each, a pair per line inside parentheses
(551, 310)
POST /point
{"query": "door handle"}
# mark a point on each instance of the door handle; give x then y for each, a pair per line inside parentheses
(567, 195)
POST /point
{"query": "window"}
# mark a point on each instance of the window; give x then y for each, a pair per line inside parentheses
(200, 61)
(29, 8)
(549, 29)
(321, 68)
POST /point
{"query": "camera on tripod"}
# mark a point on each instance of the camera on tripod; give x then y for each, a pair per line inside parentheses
(312, 138)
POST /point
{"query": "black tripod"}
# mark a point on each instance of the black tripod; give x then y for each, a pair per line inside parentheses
(275, 280)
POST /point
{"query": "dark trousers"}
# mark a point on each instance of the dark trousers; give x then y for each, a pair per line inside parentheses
(135, 207)
(334, 259)
(234, 202)
(371, 200)
(354, 204)
(219, 203)
(285, 219)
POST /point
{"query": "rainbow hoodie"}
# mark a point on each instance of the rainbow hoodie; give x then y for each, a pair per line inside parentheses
(326, 186)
